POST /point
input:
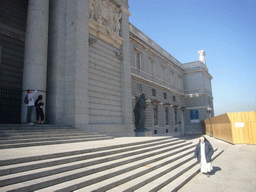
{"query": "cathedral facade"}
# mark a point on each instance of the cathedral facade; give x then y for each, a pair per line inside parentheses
(91, 65)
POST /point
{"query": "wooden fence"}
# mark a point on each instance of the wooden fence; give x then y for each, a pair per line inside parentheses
(235, 128)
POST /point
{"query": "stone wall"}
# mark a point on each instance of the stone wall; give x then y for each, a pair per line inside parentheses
(105, 104)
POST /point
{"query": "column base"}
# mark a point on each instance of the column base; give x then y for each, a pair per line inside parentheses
(143, 133)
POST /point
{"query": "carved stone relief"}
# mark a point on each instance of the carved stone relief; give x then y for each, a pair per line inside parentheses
(106, 13)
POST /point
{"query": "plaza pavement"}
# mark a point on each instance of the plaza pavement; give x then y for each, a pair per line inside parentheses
(233, 171)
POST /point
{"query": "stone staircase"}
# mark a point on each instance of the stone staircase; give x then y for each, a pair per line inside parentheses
(22, 135)
(157, 164)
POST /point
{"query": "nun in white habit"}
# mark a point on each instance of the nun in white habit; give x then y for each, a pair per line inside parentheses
(203, 153)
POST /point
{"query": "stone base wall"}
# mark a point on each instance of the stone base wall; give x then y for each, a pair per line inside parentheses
(105, 104)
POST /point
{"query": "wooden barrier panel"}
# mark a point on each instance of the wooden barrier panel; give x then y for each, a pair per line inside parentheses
(221, 127)
(235, 128)
(252, 132)
(240, 126)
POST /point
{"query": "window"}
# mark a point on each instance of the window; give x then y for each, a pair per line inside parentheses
(166, 116)
(176, 116)
(171, 76)
(152, 67)
(165, 96)
(155, 111)
(163, 72)
(138, 60)
(139, 88)
(153, 92)
(194, 116)
(174, 99)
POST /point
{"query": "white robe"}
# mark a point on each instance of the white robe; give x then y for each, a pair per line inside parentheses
(205, 167)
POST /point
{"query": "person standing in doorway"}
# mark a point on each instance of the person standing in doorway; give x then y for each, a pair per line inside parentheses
(39, 109)
(30, 106)
(203, 153)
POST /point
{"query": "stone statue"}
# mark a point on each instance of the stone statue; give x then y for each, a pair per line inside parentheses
(92, 5)
(140, 114)
(98, 11)
(117, 18)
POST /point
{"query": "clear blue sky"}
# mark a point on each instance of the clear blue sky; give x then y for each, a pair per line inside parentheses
(225, 29)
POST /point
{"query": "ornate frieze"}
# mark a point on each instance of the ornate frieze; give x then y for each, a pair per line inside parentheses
(106, 13)
(105, 21)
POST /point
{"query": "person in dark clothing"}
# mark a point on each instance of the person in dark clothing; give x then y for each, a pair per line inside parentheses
(39, 109)
(203, 153)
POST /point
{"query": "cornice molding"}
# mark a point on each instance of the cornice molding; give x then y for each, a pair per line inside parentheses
(136, 39)
(199, 70)
(156, 84)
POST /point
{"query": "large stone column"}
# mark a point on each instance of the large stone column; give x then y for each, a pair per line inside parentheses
(36, 42)
(56, 62)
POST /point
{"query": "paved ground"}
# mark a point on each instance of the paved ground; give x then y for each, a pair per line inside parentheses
(234, 170)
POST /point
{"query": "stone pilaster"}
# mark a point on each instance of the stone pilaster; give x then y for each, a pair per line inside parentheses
(126, 73)
(77, 60)
(36, 42)
(182, 122)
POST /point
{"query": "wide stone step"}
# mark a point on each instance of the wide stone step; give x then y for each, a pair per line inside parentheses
(35, 127)
(122, 173)
(40, 132)
(32, 163)
(162, 164)
(181, 180)
(70, 164)
(136, 178)
(132, 145)
(62, 141)
(105, 164)
(43, 139)
(15, 136)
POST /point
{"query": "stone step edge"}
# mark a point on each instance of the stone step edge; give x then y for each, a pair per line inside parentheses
(63, 154)
(66, 178)
(183, 159)
(33, 144)
(36, 128)
(26, 125)
(24, 176)
(193, 175)
(40, 132)
(59, 161)
(42, 139)
(171, 180)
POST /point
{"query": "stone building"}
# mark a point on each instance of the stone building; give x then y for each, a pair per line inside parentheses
(90, 64)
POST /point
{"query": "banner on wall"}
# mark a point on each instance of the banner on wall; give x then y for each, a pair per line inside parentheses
(194, 116)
